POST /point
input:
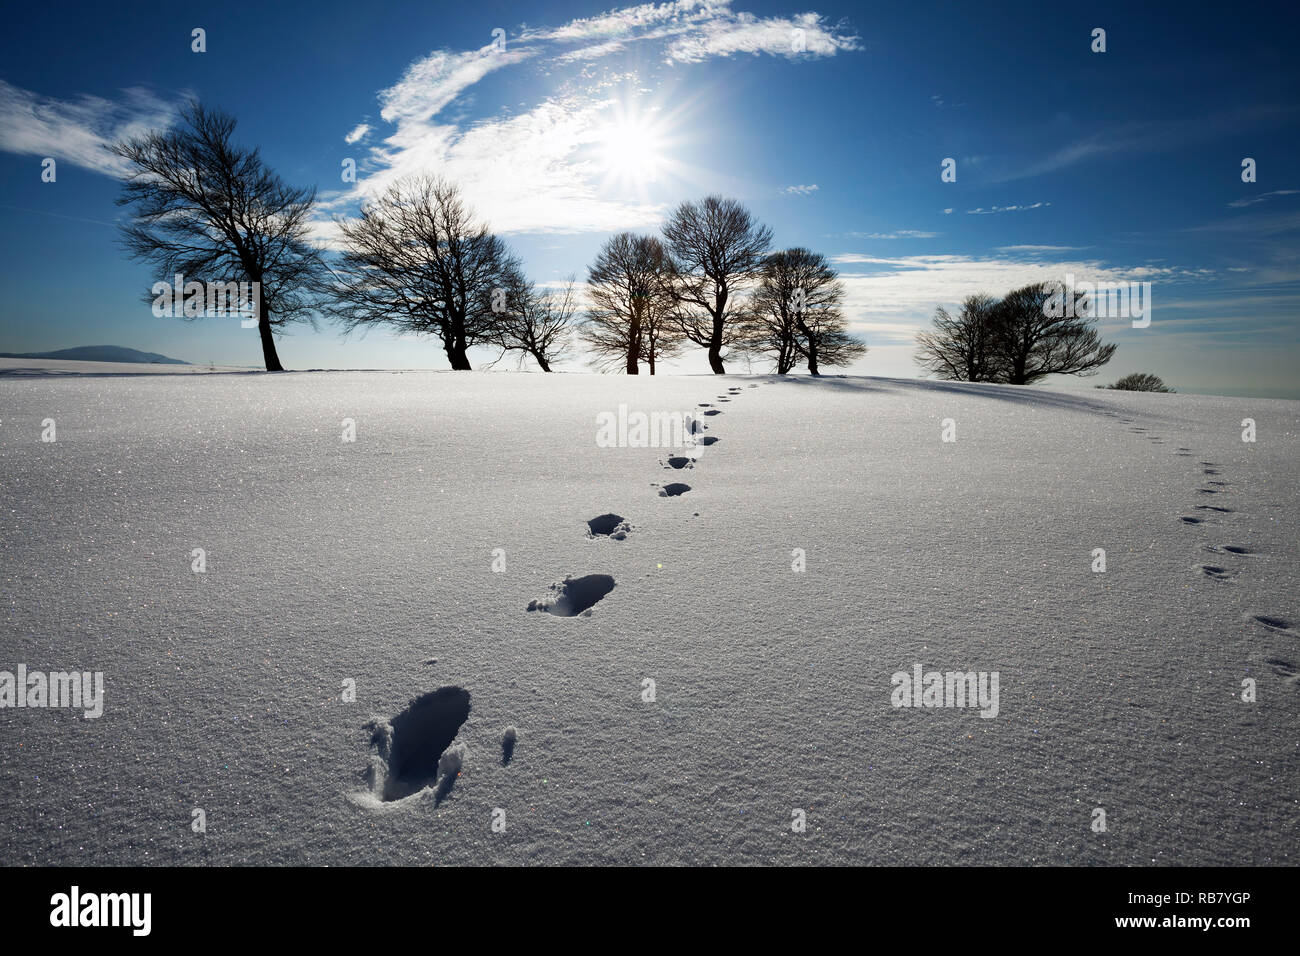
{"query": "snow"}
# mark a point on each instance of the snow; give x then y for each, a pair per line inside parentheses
(710, 694)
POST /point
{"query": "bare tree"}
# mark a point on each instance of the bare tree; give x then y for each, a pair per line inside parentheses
(630, 304)
(718, 247)
(773, 330)
(1043, 329)
(536, 322)
(817, 294)
(1139, 382)
(418, 260)
(961, 347)
(661, 336)
(213, 212)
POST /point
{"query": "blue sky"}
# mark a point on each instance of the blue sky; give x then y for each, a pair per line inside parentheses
(1115, 166)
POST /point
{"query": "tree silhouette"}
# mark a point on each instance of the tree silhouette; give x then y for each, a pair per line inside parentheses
(1139, 382)
(536, 322)
(1032, 332)
(213, 212)
(961, 347)
(718, 247)
(795, 312)
(630, 304)
(1036, 335)
(418, 260)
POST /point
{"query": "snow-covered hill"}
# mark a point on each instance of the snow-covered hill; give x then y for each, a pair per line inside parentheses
(403, 564)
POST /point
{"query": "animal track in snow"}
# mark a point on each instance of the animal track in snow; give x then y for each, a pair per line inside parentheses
(1228, 549)
(575, 596)
(1280, 625)
(1188, 520)
(678, 462)
(608, 526)
(714, 411)
(673, 489)
(1214, 508)
(707, 440)
(1283, 668)
(1216, 572)
(415, 747)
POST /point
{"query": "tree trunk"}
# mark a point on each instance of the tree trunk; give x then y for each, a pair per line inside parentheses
(268, 344)
(715, 348)
(457, 348)
(812, 347)
(634, 343)
(541, 361)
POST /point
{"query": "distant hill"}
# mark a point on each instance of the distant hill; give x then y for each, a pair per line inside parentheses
(99, 353)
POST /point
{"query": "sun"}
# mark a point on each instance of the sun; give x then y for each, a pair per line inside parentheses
(631, 150)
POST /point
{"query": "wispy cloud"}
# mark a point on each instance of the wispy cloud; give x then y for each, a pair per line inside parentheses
(1036, 250)
(532, 171)
(358, 133)
(900, 234)
(78, 131)
(800, 190)
(1144, 137)
(992, 209)
(1242, 203)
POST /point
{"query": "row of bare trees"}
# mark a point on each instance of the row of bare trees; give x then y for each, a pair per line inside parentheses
(713, 281)
(419, 261)
(1028, 334)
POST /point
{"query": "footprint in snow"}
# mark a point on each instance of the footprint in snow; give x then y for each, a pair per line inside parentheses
(678, 462)
(713, 411)
(1277, 624)
(1228, 549)
(415, 749)
(608, 526)
(1214, 508)
(1216, 572)
(673, 490)
(1188, 520)
(1283, 668)
(575, 596)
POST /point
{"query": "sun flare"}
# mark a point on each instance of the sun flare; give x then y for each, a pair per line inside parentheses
(631, 149)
